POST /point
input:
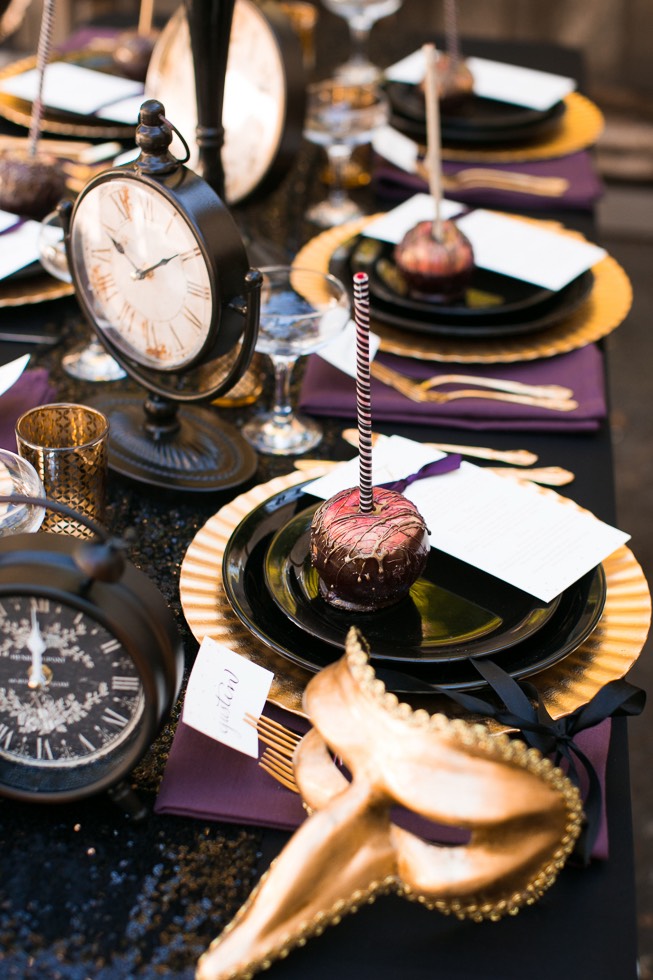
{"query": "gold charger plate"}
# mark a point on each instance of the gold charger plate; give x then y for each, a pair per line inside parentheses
(608, 653)
(580, 127)
(19, 111)
(25, 290)
(606, 308)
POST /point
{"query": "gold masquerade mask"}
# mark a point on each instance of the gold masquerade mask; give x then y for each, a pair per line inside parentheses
(522, 814)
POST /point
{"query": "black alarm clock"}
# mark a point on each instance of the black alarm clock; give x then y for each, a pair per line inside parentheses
(91, 663)
(161, 273)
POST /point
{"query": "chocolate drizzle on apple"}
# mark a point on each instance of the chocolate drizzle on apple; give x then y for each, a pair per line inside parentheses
(368, 561)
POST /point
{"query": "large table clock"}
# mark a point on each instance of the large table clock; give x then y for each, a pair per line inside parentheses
(91, 663)
(161, 273)
(263, 99)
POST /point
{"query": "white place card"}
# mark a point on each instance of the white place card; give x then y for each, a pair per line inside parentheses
(396, 148)
(393, 225)
(19, 247)
(515, 84)
(72, 87)
(522, 249)
(11, 372)
(341, 352)
(223, 687)
(8, 220)
(534, 540)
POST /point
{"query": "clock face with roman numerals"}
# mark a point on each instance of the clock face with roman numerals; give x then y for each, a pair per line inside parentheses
(142, 272)
(69, 692)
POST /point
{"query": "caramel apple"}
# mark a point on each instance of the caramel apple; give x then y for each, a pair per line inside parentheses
(30, 186)
(439, 269)
(454, 80)
(367, 561)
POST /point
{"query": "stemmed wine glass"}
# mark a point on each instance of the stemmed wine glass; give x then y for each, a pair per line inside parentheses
(339, 117)
(302, 310)
(361, 15)
(88, 361)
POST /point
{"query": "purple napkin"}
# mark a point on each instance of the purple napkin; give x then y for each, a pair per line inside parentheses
(32, 388)
(327, 391)
(585, 186)
(209, 781)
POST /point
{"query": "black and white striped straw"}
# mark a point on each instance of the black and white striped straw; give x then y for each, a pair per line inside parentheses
(363, 400)
(42, 58)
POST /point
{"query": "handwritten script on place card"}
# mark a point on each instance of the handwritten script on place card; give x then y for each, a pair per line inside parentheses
(531, 539)
(223, 687)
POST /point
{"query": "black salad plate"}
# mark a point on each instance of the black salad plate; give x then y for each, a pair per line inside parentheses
(493, 305)
(577, 612)
(474, 614)
(472, 120)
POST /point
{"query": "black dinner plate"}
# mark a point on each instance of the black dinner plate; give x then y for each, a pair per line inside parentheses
(494, 305)
(577, 613)
(439, 621)
(472, 120)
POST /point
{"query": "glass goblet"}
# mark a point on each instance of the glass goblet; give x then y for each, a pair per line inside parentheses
(361, 16)
(18, 476)
(88, 361)
(302, 310)
(340, 117)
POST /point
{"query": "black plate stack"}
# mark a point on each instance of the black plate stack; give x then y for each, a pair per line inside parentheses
(453, 613)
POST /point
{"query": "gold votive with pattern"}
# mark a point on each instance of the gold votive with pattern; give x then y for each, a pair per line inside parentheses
(67, 446)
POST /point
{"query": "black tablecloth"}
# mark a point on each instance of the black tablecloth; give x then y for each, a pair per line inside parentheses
(86, 892)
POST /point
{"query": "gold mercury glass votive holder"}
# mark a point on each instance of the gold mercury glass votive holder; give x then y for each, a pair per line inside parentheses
(67, 446)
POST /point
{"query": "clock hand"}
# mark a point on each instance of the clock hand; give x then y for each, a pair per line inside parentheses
(141, 273)
(121, 251)
(37, 674)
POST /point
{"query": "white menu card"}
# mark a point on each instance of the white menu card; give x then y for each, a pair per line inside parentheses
(72, 87)
(531, 538)
(525, 250)
(528, 87)
(19, 246)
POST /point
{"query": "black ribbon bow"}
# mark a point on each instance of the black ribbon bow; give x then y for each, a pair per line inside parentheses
(522, 708)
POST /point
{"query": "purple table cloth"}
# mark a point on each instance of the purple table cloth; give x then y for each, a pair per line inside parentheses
(327, 391)
(32, 388)
(585, 186)
(210, 781)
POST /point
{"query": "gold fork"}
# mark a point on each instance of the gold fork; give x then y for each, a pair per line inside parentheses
(498, 384)
(274, 734)
(282, 742)
(416, 393)
(504, 180)
(280, 768)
